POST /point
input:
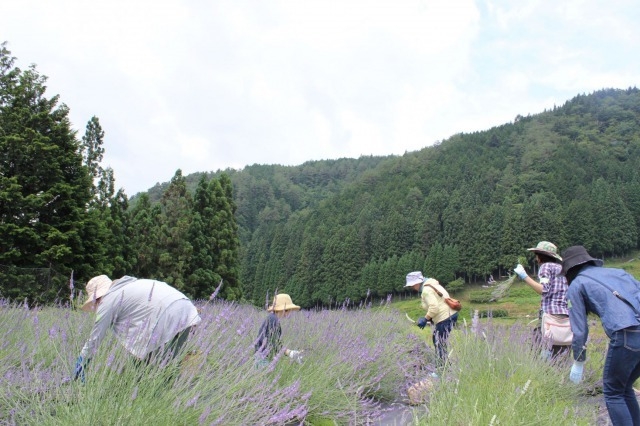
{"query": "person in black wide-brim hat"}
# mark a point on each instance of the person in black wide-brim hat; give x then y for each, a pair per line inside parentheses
(613, 295)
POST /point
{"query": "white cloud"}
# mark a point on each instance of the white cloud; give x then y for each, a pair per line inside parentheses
(202, 86)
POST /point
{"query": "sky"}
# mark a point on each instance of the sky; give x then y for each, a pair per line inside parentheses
(206, 85)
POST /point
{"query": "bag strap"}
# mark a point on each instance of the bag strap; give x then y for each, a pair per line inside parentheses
(618, 295)
(438, 292)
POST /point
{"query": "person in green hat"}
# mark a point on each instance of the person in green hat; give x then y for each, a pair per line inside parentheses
(555, 330)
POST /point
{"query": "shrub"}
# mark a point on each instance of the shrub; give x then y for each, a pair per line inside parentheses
(480, 296)
(495, 313)
(455, 285)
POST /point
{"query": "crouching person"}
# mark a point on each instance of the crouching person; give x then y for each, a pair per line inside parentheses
(269, 342)
(151, 319)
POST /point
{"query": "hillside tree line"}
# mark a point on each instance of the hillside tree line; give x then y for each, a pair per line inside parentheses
(60, 213)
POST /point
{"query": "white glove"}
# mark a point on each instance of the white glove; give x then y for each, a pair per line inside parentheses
(296, 356)
(576, 371)
(519, 270)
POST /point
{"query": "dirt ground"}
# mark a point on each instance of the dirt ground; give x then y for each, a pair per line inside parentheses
(400, 414)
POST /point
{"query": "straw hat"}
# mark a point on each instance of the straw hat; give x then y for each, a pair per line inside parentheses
(96, 288)
(283, 302)
(545, 247)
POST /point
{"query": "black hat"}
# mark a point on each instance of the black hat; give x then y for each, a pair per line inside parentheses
(577, 255)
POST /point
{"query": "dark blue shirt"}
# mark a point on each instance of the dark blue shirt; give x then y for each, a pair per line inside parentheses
(268, 342)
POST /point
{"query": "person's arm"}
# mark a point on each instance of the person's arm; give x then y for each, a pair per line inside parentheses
(578, 320)
(538, 287)
(431, 303)
(100, 327)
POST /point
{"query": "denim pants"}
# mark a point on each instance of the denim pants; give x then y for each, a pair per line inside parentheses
(441, 336)
(621, 369)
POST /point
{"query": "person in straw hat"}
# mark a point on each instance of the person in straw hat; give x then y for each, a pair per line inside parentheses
(151, 319)
(613, 295)
(437, 311)
(553, 287)
(268, 343)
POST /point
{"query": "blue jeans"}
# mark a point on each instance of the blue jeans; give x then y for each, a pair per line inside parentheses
(621, 369)
(441, 336)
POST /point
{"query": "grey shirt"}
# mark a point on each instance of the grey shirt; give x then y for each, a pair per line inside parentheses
(144, 315)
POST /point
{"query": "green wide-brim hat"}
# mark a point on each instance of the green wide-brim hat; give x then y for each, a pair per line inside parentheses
(545, 247)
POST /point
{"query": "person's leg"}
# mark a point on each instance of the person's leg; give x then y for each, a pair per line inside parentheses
(621, 369)
(441, 337)
(169, 350)
(632, 343)
(174, 347)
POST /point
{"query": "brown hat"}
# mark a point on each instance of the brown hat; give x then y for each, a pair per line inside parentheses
(547, 248)
(577, 255)
(96, 288)
(283, 302)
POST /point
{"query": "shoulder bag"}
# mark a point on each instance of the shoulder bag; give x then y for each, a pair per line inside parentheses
(450, 301)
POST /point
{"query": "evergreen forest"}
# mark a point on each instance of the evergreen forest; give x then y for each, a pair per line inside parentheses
(326, 232)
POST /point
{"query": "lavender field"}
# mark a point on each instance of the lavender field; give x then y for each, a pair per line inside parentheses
(356, 363)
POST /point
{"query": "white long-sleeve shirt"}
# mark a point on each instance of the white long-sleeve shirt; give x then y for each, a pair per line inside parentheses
(143, 314)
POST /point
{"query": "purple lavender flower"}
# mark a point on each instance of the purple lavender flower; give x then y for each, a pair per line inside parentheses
(205, 414)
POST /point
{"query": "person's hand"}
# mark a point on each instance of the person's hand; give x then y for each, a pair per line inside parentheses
(296, 356)
(519, 270)
(79, 370)
(577, 369)
(422, 322)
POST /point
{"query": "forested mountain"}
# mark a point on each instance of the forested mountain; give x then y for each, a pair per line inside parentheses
(328, 231)
(324, 231)
(467, 207)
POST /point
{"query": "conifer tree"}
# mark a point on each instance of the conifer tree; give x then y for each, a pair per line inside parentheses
(173, 246)
(44, 187)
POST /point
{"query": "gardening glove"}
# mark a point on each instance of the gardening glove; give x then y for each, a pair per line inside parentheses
(422, 322)
(576, 371)
(519, 270)
(296, 356)
(79, 370)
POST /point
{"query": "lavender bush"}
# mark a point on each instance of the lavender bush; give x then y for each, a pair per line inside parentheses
(497, 376)
(352, 360)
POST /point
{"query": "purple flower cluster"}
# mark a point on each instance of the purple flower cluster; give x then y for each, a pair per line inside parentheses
(352, 359)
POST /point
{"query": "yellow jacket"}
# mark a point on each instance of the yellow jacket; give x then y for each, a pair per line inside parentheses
(437, 309)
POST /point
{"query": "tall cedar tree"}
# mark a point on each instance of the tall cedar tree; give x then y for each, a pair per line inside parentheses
(44, 185)
(173, 245)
